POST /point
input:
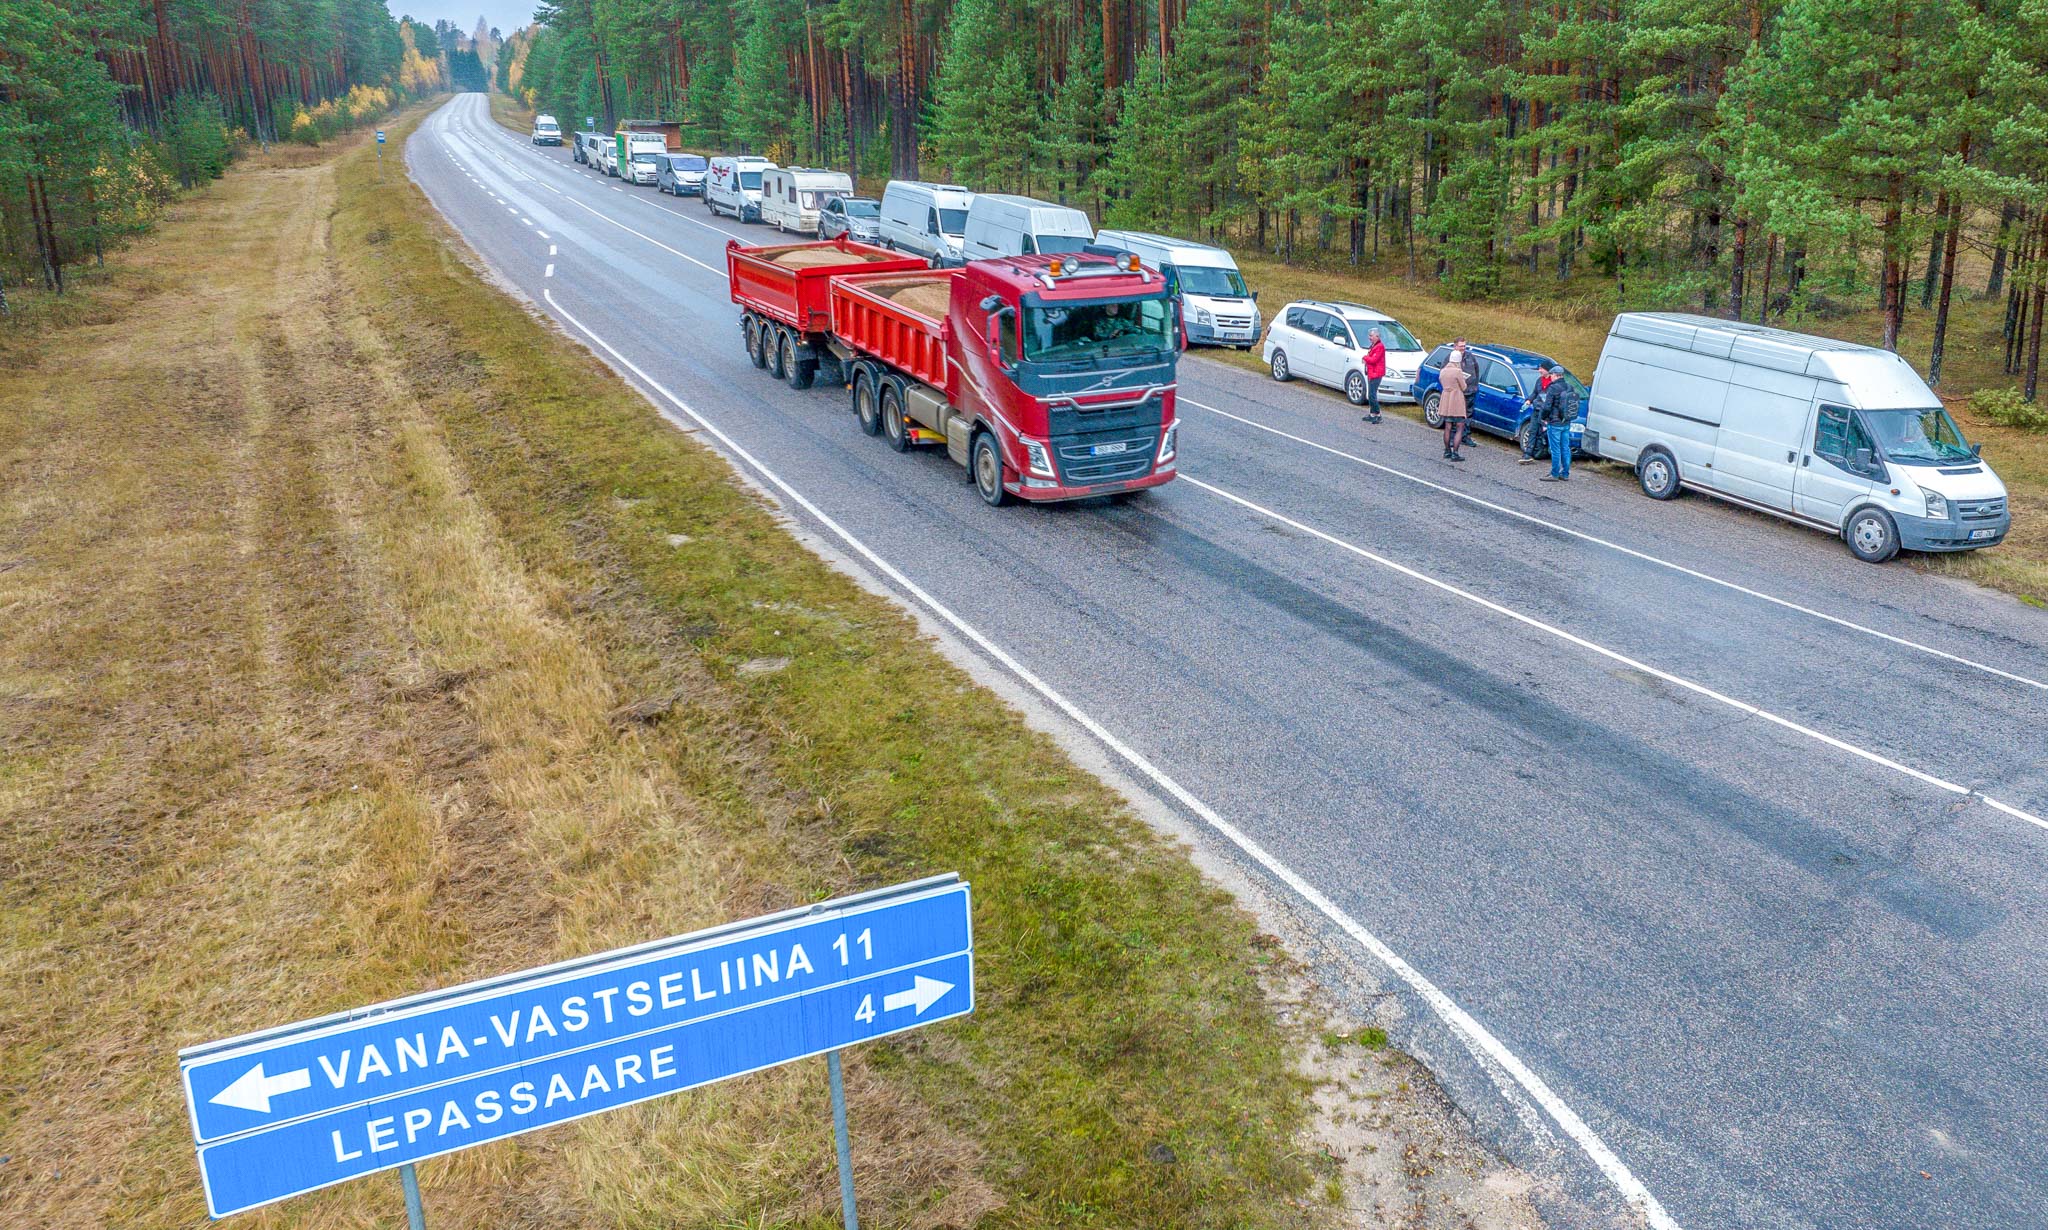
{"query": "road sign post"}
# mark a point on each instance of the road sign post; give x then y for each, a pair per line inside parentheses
(842, 1142)
(290, 1110)
(415, 1210)
(380, 175)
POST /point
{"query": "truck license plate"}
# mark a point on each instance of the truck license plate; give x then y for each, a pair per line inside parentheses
(1102, 450)
(1975, 534)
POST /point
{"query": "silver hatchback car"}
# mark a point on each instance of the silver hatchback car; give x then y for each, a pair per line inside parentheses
(857, 217)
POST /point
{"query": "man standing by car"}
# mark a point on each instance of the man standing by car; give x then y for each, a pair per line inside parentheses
(1375, 371)
(1560, 407)
(1538, 423)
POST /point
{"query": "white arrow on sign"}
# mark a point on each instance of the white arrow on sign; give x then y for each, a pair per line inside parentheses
(924, 993)
(253, 1090)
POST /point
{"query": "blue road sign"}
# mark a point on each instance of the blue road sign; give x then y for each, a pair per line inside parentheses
(380, 136)
(289, 1110)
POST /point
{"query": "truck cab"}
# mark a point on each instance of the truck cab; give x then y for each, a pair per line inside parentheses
(1070, 370)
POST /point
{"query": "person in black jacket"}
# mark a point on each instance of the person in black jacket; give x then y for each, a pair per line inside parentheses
(1560, 407)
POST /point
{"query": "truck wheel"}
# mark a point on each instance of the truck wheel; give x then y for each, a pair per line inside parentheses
(1280, 371)
(1871, 535)
(771, 341)
(864, 405)
(799, 372)
(1432, 410)
(1354, 388)
(988, 470)
(756, 344)
(894, 429)
(1657, 472)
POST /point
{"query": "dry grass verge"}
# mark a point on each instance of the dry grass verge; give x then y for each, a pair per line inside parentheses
(364, 636)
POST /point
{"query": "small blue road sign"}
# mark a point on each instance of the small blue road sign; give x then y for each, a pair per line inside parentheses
(293, 1109)
(380, 136)
(590, 121)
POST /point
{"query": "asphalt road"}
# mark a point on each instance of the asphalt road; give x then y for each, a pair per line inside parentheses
(1711, 854)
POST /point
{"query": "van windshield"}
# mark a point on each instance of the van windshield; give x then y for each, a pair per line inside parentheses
(1211, 280)
(750, 180)
(1076, 331)
(688, 162)
(953, 222)
(1051, 244)
(1916, 437)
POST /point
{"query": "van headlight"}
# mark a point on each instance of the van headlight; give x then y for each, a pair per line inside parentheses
(1937, 506)
(1041, 460)
(1202, 317)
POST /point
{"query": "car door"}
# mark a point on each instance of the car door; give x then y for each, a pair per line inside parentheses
(1498, 406)
(1320, 350)
(1832, 474)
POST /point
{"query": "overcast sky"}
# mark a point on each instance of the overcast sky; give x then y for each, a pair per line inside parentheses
(506, 15)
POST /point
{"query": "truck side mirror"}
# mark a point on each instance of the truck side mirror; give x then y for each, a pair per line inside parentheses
(992, 337)
(992, 303)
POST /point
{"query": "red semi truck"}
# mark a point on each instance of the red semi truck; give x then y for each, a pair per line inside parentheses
(1048, 377)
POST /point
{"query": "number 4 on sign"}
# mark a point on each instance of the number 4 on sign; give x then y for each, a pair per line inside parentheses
(865, 1014)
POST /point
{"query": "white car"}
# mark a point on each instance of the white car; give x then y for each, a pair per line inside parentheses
(1326, 343)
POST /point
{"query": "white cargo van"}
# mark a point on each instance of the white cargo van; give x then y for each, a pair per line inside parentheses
(790, 196)
(732, 185)
(1842, 437)
(928, 220)
(546, 131)
(1002, 225)
(1220, 311)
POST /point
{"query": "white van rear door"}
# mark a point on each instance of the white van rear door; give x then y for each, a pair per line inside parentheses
(1831, 477)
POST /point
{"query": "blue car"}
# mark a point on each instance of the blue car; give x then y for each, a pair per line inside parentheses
(1501, 404)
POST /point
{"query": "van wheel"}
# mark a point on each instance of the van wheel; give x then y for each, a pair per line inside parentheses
(988, 470)
(864, 404)
(1354, 388)
(1871, 535)
(1432, 409)
(1531, 438)
(1280, 371)
(799, 372)
(772, 340)
(1657, 471)
(894, 429)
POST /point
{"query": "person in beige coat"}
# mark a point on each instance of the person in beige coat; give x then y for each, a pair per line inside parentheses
(1454, 405)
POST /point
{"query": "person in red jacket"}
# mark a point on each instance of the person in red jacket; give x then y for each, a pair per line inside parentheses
(1375, 371)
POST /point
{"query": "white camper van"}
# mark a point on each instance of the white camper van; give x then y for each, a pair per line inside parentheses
(1219, 309)
(790, 196)
(1002, 225)
(928, 220)
(732, 185)
(1842, 437)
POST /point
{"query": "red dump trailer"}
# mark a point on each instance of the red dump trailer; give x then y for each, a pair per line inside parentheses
(1049, 377)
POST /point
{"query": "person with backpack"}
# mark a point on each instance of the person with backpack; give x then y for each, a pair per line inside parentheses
(1560, 409)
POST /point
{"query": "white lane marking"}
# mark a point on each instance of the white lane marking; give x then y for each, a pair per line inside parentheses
(545, 235)
(527, 221)
(1789, 605)
(550, 270)
(1876, 758)
(1475, 1036)
(551, 249)
(649, 238)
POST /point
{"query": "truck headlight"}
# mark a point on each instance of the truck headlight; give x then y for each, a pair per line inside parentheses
(1041, 461)
(1937, 506)
(1167, 442)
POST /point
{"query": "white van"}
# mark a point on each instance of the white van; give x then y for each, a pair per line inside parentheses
(1002, 225)
(928, 220)
(1220, 311)
(1842, 437)
(790, 196)
(546, 131)
(640, 155)
(732, 185)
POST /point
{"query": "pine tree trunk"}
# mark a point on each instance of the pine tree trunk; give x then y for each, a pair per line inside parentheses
(2033, 384)
(1934, 246)
(46, 234)
(2007, 213)
(1737, 270)
(1763, 307)
(1948, 282)
(1894, 295)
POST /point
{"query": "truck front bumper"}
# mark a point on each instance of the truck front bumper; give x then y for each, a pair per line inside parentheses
(1951, 534)
(1048, 491)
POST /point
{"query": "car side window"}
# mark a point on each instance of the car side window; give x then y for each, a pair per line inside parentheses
(1315, 323)
(1340, 332)
(932, 221)
(1838, 436)
(1438, 357)
(1296, 318)
(1497, 375)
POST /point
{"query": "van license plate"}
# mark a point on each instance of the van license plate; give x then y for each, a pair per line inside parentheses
(1976, 534)
(1102, 450)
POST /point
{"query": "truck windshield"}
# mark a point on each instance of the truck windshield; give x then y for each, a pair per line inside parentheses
(750, 180)
(1211, 280)
(1916, 437)
(1077, 331)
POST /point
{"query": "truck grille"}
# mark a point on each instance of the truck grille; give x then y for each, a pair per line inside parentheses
(1080, 464)
(1980, 510)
